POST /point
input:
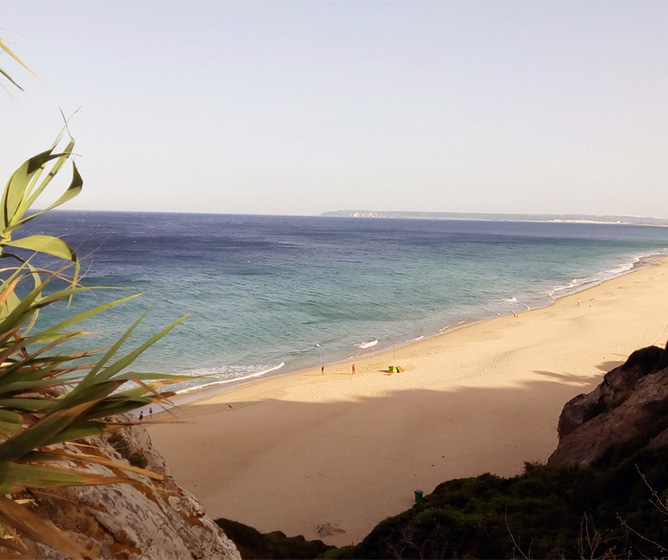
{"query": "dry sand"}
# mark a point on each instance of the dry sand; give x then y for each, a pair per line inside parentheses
(344, 451)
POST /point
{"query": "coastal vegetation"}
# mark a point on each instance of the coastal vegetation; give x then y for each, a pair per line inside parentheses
(617, 508)
(51, 396)
(276, 545)
(609, 510)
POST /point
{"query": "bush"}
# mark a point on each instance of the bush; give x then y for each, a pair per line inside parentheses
(276, 545)
(567, 512)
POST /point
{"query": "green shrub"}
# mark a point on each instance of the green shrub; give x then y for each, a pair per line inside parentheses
(276, 545)
(138, 459)
(545, 512)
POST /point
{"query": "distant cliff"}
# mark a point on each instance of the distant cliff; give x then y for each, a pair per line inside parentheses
(573, 218)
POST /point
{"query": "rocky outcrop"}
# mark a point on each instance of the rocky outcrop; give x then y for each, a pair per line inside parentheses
(630, 407)
(147, 518)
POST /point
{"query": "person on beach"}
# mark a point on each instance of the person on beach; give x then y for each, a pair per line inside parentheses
(141, 414)
(322, 369)
(353, 368)
(150, 411)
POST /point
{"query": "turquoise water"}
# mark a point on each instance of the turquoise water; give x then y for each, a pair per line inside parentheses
(275, 293)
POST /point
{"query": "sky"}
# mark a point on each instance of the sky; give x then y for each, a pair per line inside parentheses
(302, 107)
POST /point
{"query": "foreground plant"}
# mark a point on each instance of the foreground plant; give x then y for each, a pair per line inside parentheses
(5, 49)
(51, 398)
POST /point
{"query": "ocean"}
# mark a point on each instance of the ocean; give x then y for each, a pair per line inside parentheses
(275, 294)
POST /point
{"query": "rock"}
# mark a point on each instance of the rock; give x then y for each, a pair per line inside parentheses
(612, 391)
(147, 519)
(630, 406)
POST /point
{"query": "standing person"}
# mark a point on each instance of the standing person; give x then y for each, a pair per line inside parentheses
(322, 369)
(141, 414)
(353, 368)
(150, 411)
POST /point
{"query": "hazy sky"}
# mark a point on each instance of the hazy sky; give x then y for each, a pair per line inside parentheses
(299, 107)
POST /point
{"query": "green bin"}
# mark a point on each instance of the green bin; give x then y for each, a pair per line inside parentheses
(418, 496)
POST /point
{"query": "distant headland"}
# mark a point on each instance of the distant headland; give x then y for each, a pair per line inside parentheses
(571, 218)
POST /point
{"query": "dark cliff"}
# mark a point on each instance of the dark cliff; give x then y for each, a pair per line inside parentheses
(628, 409)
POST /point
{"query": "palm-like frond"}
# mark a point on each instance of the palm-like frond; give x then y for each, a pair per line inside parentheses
(5, 74)
(49, 395)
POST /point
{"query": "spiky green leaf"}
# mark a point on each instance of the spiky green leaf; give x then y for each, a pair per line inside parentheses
(82, 429)
(39, 433)
(25, 404)
(45, 244)
(17, 187)
(15, 477)
(10, 417)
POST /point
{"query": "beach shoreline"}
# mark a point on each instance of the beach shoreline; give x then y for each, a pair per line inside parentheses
(210, 390)
(312, 454)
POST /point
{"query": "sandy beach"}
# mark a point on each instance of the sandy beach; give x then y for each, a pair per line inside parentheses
(336, 453)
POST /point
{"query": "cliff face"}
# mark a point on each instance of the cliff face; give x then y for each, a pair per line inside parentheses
(148, 519)
(630, 406)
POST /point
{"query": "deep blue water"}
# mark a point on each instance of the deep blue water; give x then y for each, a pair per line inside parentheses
(264, 291)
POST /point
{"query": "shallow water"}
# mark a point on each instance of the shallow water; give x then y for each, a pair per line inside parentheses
(279, 293)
